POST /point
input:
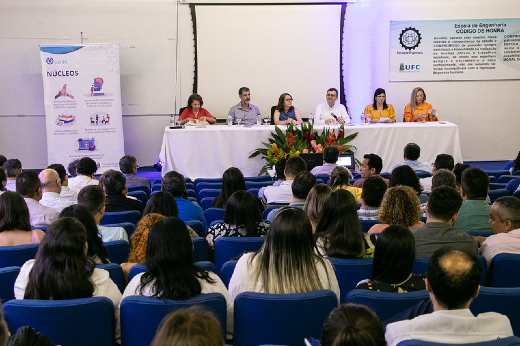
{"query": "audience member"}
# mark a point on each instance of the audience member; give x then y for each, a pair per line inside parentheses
(371, 166)
(338, 231)
(515, 165)
(128, 166)
(453, 282)
(72, 168)
(405, 175)
(330, 157)
(314, 203)
(93, 198)
(85, 170)
(3, 180)
(15, 226)
(443, 177)
(51, 189)
(331, 112)
(394, 258)
(372, 195)
(163, 203)
(12, 168)
(244, 110)
(66, 193)
(443, 209)
(2, 160)
(505, 222)
(457, 170)
(114, 184)
(28, 185)
(442, 161)
(279, 174)
(412, 152)
(340, 179)
(286, 263)
(474, 212)
(232, 181)
(400, 206)
(175, 184)
(282, 194)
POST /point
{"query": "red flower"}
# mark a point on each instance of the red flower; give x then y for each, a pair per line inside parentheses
(305, 136)
(340, 135)
(311, 138)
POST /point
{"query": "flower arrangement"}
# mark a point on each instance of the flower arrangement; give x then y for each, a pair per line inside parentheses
(304, 140)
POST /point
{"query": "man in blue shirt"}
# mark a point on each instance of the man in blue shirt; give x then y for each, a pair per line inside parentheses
(245, 111)
(411, 154)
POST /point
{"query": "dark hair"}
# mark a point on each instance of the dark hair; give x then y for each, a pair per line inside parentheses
(3, 177)
(405, 175)
(174, 183)
(315, 200)
(114, 182)
(509, 209)
(243, 209)
(452, 283)
(169, 262)
(374, 161)
(96, 248)
(279, 168)
(241, 90)
(232, 181)
(4, 332)
(444, 202)
(445, 161)
(12, 167)
(331, 154)
(443, 177)
(394, 255)
(14, 213)
(303, 184)
(374, 189)
(340, 227)
(281, 100)
(339, 177)
(92, 197)
(516, 163)
(86, 166)
(475, 183)
(379, 91)
(28, 183)
(352, 325)
(335, 90)
(58, 167)
(127, 164)
(458, 169)
(2, 160)
(412, 151)
(294, 165)
(72, 168)
(162, 203)
(195, 97)
(61, 269)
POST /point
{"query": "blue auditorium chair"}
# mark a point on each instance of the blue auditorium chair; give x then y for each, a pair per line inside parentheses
(141, 268)
(226, 272)
(230, 247)
(143, 188)
(207, 193)
(504, 179)
(509, 341)
(504, 270)
(213, 214)
(132, 216)
(497, 173)
(128, 226)
(205, 202)
(17, 255)
(200, 249)
(259, 178)
(197, 226)
(116, 274)
(258, 184)
(8, 276)
(505, 301)
(494, 194)
(367, 224)
(211, 186)
(351, 271)
(118, 251)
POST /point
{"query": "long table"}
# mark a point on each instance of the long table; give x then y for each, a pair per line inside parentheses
(209, 151)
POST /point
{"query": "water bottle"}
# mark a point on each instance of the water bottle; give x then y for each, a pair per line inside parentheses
(258, 119)
(362, 117)
(172, 120)
(229, 120)
(311, 118)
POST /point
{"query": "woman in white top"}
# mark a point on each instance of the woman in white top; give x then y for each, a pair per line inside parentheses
(286, 263)
(171, 273)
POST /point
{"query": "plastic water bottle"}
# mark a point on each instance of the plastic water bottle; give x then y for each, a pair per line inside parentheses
(258, 119)
(311, 118)
(229, 120)
(362, 118)
(172, 120)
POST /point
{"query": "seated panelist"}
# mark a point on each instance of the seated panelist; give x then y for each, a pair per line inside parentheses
(331, 112)
(195, 113)
(379, 111)
(285, 112)
(417, 109)
(244, 111)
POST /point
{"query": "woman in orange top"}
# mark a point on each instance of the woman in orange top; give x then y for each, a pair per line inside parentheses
(194, 111)
(379, 111)
(417, 109)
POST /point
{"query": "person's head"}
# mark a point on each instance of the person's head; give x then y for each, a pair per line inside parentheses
(72, 168)
(3, 179)
(232, 181)
(331, 154)
(86, 166)
(505, 214)
(444, 161)
(374, 189)
(372, 164)
(302, 185)
(174, 183)
(352, 325)
(293, 166)
(474, 183)
(243, 209)
(28, 185)
(405, 175)
(285, 102)
(453, 278)
(62, 268)
(400, 206)
(96, 249)
(394, 255)
(339, 177)
(12, 168)
(279, 168)
(114, 182)
(443, 204)
(314, 202)
(516, 163)
(457, 170)
(380, 98)
(195, 102)
(163, 203)
(2, 160)
(14, 214)
(193, 326)
(128, 164)
(444, 177)
(245, 95)
(93, 198)
(139, 239)
(332, 96)
(412, 152)
(417, 98)
(50, 180)
(62, 173)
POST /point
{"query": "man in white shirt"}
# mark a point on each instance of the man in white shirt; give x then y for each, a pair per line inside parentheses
(331, 112)
(411, 154)
(282, 194)
(12, 168)
(51, 189)
(71, 195)
(85, 170)
(453, 282)
(28, 185)
(442, 161)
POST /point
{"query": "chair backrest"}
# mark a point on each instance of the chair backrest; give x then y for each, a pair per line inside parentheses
(207, 185)
(141, 316)
(258, 184)
(270, 208)
(131, 216)
(118, 251)
(282, 319)
(200, 249)
(504, 270)
(8, 276)
(349, 272)
(141, 268)
(205, 202)
(197, 226)
(497, 173)
(230, 247)
(367, 224)
(206, 180)
(75, 322)
(191, 193)
(273, 108)
(140, 195)
(493, 179)
(253, 191)
(128, 226)
(143, 188)
(422, 174)
(259, 178)
(494, 194)
(116, 274)
(496, 186)
(509, 341)
(420, 266)
(385, 175)
(213, 214)
(324, 177)
(207, 193)
(386, 304)
(226, 272)
(17, 255)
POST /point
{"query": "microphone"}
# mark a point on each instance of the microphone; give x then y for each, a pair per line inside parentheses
(334, 116)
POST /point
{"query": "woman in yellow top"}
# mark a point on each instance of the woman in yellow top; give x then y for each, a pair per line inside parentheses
(379, 111)
(340, 179)
(417, 109)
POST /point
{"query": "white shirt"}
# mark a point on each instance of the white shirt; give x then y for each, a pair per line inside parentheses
(279, 194)
(426, 184)
(501, 243)
(80, 181)
(40, 215)
(450, 326)
(67, 193)
(10, 185)
(112, 233)
(324, 112)
(55, 201)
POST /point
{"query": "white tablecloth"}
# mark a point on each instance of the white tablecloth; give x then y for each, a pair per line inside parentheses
(209, 151)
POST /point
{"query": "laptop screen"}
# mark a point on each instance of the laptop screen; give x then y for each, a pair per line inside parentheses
(346, 160)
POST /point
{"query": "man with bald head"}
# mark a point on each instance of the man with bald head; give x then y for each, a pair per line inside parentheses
(51, 188)
(453, 282)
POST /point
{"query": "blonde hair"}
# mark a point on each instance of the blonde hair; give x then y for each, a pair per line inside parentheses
(413, 101)
(339, 177)
(139, 238)
(400, 206)
(314, 202)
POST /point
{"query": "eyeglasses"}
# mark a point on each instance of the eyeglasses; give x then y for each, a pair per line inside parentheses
(380, 96)
(290, 100)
